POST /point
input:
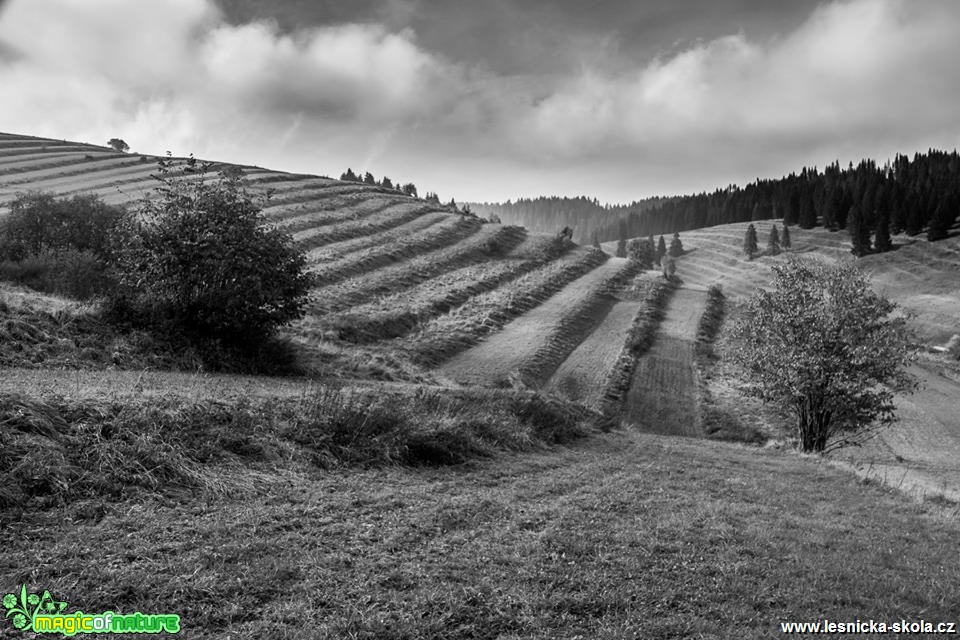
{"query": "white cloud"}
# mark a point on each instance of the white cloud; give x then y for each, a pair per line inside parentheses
(859, 77)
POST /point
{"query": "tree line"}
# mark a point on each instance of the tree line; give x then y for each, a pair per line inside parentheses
(870, 201)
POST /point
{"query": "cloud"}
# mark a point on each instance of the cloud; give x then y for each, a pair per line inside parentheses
(857, 78)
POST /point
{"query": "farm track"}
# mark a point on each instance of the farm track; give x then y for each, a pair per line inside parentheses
(537, 341)
(663, 395)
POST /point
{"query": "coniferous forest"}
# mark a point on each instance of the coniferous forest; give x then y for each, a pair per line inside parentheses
(869, 201)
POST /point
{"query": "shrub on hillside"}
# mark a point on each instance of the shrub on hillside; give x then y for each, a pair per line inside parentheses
(58, 245)
(40, 222)
(200, 259)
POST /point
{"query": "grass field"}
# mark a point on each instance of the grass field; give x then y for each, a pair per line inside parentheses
(443, 465)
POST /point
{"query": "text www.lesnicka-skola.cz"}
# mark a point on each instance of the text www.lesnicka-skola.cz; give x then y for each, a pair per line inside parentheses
(870, 626)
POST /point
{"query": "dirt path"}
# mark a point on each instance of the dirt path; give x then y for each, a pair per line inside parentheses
(506, 351)
(663, 394)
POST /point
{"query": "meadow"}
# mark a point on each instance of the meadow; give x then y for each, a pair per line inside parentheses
(484, 433)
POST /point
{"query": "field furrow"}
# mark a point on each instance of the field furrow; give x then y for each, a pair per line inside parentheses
(389, 217)
(85, 169)
(402, 247)
(583, 375)
(488, 242)
(538, 333)
(663, 394)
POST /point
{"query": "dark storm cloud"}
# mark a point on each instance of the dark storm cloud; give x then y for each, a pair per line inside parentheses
(497, 99)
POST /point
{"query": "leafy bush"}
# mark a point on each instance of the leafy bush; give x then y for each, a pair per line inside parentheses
(41, 222)
(58, 245)
(199, 259)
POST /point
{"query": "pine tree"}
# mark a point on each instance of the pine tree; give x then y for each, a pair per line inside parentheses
(369, 179)
(881, 238)
(859, 232)
(386, 183)
(750, 242)
(940, 222)
(676, 247)
(807, 218)
(785, 237)
(349, 175)
(773, 244)
(661, 249)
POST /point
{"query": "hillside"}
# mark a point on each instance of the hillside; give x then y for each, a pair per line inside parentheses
(414, 482)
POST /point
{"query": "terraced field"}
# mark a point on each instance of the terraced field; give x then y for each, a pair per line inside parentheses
(405, 290)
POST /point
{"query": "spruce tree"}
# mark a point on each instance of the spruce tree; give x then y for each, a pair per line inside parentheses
(859, 232)
(676, 247)
(369, 179)
(940, 222)
(661, 249)
(881, 238)
(773, 244)
(785, 237)
(750, 242)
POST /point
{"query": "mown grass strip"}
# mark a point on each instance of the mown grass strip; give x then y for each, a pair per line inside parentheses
(91, 167)
(574, 326)
(468, 324)
(400, 249)
(389, 217)
(487, 242)
(641, 336)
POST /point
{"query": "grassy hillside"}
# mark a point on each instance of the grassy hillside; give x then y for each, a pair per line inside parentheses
(416, 482)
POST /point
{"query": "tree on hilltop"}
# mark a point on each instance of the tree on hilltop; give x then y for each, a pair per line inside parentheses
(349, 176)
(823, 346)
(369, 179)
(118, 145)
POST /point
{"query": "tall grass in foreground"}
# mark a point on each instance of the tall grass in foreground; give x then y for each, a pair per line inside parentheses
(53, 451)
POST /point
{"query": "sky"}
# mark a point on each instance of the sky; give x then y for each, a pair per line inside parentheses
(493, 100)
